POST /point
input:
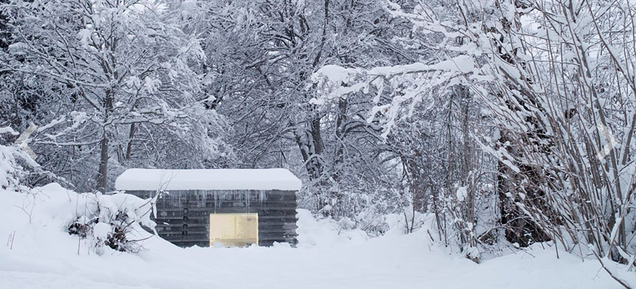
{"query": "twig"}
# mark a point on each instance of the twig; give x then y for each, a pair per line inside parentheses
(619, 280)
(10, 240)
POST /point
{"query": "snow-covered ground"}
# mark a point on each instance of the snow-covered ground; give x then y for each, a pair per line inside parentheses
(39, 254)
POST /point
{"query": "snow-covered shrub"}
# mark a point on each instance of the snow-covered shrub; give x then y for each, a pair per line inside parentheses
(113, 221)
(355, 209)
(18, 170)
(12, 171)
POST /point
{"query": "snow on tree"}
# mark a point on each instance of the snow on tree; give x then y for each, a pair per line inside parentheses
(512, 122)
(118, 80)
(558, 93)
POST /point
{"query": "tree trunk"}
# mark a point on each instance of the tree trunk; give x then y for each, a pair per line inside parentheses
(130, 137)
(519, 228)
(102, 175)
(102, 178)
(467, 167)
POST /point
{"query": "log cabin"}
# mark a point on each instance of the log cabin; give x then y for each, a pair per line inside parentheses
(219, 207)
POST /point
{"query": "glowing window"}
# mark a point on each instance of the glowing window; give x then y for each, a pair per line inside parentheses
(233, 230)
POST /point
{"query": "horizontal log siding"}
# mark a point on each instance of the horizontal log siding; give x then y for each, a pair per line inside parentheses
(183, 216)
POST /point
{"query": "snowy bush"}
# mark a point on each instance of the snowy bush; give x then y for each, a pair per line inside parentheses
(113, 221)
(14, 167)
(354, 210)
(352, 205)
(18, 170)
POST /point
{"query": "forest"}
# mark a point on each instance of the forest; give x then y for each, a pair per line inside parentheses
(510, 121)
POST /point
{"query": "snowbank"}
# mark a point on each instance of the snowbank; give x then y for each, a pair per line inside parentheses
(40, 254)
(41, 218)
(325, 232)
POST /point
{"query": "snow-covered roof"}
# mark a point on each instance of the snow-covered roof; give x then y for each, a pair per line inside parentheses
(212, 179)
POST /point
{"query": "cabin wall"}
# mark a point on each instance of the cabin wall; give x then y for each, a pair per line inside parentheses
(183, 216)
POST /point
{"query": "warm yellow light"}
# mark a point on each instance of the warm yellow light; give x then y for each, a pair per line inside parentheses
(233, 230)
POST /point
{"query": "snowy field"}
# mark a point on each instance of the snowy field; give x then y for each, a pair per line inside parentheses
(39, 254)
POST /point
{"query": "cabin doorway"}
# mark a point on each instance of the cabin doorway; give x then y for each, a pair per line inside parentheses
(233, 230)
